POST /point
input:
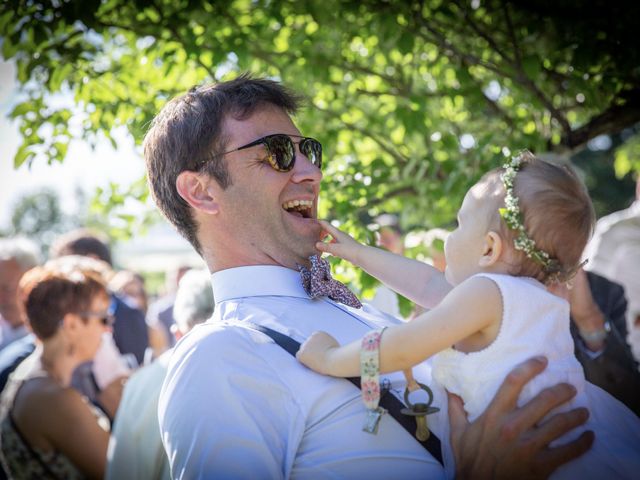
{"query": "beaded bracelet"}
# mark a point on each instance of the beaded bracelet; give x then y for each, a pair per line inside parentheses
(370, 379)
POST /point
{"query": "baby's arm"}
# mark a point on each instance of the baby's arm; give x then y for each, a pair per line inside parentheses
(419, 282)
(472, 307)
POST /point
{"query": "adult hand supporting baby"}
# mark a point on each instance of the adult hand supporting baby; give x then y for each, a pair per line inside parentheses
(506, 441)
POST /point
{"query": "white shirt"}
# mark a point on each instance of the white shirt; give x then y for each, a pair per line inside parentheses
(9, 334)
(135, 449)
(386, 300)
(236, 405)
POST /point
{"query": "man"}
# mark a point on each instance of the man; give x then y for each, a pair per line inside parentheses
(599, 330)
(135, 447)
(614, 253)
(17, 255)
(231, 171)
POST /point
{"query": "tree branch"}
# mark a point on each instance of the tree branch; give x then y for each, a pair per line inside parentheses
(614, 119)
(401, 159)
(526, 82)
(493, 105)
(451, 51)
(406, 190)
(481, 33)
(512, 35)
(519, 77)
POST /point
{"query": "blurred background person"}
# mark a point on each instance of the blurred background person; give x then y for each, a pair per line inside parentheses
(433, 241)
(130, 329)
(17, 255)
(599, 329)
(160, 318)
(389, 236)
(92, 377)
(135, 448)
(47, 429)
(614, 253)
(130, 287)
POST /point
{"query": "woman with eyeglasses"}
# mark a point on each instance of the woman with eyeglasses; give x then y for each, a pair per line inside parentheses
(47, 429)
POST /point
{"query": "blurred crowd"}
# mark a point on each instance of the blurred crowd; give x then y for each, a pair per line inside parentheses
(84, 347)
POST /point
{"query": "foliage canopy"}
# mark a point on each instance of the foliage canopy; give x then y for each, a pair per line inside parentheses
(412, 100)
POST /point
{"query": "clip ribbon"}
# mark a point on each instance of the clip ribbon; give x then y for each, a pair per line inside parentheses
(370, 379)
(370, 368)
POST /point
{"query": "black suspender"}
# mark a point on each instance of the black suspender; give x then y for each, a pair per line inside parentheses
(389, 401)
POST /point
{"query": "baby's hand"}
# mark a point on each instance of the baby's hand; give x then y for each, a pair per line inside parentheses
(314, 351)
(341, 245)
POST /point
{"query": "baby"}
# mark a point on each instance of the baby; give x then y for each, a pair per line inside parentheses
(519, 228)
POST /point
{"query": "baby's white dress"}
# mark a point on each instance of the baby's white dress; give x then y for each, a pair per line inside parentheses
(535, 322)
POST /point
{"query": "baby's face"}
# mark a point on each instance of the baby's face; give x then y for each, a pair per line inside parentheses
(466, 244)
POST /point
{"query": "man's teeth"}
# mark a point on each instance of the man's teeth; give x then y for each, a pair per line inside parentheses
(297, 204)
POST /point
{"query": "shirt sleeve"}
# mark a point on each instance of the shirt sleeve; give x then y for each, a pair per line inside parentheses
(209, 428)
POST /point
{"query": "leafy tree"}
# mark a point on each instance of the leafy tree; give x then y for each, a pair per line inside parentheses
(39, 217)
(412, 100)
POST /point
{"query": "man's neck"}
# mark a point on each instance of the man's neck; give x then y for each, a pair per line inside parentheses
(216, 263)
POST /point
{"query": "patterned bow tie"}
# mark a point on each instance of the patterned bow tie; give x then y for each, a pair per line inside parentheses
(317, 282)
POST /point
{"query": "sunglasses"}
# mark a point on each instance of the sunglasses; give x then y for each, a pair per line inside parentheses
(281, 150)
(105, 318)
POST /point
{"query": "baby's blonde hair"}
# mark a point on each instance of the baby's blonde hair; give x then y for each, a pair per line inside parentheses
(557, 211)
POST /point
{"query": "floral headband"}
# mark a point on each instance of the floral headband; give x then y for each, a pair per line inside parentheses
(513, 218)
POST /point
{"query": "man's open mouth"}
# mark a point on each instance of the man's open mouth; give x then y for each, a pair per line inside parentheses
(299, 208)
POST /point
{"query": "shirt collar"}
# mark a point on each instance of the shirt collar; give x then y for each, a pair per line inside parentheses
(256, 281)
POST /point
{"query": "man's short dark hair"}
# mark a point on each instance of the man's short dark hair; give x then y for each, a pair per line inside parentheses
(82, 242)
(189, 129)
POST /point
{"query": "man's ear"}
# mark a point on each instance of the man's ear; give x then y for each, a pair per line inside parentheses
(71, 323)
(198, 191)
(492, 249)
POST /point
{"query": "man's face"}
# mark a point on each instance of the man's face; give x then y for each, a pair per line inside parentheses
(257, 209)
(10, 274)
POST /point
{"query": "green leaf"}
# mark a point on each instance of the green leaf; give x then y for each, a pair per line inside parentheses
(61, 148)
(58, 75)
(24, 154)
(532, 66)
(21, 109)
(405, 43)
(10, 46)
(5, 19)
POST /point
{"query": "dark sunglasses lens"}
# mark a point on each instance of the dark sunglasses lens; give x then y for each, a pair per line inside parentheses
(312, 149)
(282, 152)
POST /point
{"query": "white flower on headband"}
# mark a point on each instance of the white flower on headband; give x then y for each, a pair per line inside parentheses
(513, 218)
(77, 277)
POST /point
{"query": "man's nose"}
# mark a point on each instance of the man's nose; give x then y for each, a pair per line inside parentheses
(304, 170)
